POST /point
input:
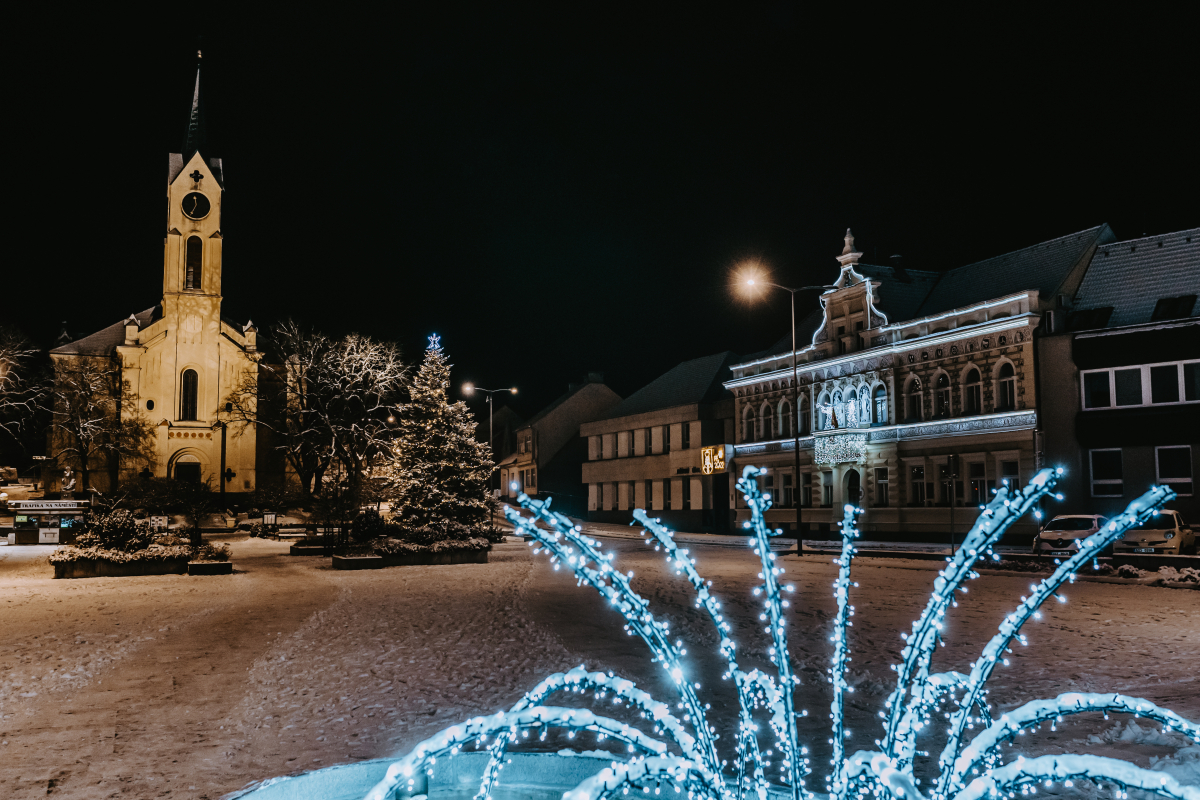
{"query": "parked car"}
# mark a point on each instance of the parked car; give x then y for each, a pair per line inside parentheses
(1061, 535)
(1166, 533)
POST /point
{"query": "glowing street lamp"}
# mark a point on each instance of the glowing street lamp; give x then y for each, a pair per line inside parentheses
(469, 389)
(754, 281)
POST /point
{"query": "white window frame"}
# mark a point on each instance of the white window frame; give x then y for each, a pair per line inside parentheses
(1147, 395)
(1168, 481)
(1092, 482)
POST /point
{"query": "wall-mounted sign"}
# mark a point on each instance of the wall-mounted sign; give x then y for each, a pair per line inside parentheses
(48, 505)
(712, 459)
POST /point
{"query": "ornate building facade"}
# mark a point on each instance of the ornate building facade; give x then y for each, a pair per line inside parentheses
(917, 393)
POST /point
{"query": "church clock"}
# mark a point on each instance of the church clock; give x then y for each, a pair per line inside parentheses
(195, 205)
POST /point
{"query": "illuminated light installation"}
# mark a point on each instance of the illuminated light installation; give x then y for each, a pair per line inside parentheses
(697, 769)
(840, 448)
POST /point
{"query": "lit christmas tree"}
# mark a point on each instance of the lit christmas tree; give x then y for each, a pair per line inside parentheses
(440, 472)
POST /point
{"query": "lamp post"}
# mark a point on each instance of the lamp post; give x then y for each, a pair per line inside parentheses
(470, 389)
(751, 283)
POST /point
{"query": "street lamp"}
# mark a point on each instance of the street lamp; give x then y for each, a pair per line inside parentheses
(470, 389)
(751, 280)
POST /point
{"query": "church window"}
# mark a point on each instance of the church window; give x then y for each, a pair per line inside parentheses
(188, 395)
(195, 255)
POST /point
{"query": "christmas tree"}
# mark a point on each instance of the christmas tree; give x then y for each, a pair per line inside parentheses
(440, 473)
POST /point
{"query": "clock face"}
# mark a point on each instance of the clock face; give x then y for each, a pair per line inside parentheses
(196, 206)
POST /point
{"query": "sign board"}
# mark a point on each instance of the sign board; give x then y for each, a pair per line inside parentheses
(712, 459)
(269, 517)
(48, 505)
(159, 523)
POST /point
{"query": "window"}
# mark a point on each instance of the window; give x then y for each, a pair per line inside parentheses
(1156, 384)
(835, 419)
(1164, 384)
(977, 483)
(913, 401)
(942, 396)
(916, 495)
(1011, 471)
(1006, 389)
(687, 435)
(1095, 390)
(1173, 307)
(532, 481)
(747, 425)
(768, 487)
(881, 487)
(826, 489)
(972, 393)
(1174, 466)
(1106, 473)
(195, 258)
(1129, 386)
(666, 438)
(667, 493)
(648, 500)
(785, 418)
(823, 412)
(188, 395)
(806, 489)
(766, 424)
(804, 422)
(686, 493)
(788, 498)
(880, 406)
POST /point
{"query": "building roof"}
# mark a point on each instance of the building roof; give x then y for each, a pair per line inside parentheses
(104, 342)
(697, 381)
(1132, 278)
(1043, 267)
(902, 290)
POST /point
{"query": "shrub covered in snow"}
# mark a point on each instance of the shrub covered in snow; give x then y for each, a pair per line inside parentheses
(114, 530)
(211, 552)
(113, 543)
(396, 547)
(367, 526)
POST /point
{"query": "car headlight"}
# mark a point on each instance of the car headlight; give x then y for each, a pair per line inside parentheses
(1170, 536)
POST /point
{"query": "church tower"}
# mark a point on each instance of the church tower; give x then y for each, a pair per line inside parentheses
(180, 360)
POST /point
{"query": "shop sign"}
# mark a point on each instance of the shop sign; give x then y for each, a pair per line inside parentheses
(712, 459)
(48, 505)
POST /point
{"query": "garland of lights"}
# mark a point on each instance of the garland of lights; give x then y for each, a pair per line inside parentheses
(887, 774)
(840, 449)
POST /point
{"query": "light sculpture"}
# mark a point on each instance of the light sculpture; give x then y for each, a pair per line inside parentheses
(694, 770)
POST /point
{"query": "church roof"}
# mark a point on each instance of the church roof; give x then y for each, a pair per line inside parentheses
(196, 136)
(697, 381)
(1135, 277)
(1043, 267)
(104, 342)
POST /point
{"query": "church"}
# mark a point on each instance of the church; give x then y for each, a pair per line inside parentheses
(179, 359)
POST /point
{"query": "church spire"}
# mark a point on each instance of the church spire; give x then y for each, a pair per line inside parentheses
(195, 138)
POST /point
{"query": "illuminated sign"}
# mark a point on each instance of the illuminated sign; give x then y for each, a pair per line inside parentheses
(712, 459)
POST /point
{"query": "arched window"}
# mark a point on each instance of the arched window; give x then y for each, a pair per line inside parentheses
(912, 410)
(804, 421)
(785, 418)
(880, 406)
(837, 417)
(972, 393)
(766, 425)
(195, 256)
(942, 396)
(851, 420)
(189, 389)
(1006, 388)
(747, 425)
(823, 412)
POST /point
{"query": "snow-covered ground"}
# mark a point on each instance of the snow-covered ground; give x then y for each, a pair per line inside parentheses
(191, 687)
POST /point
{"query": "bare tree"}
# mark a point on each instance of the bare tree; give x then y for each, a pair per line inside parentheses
(324, 401)
(94, 420)
(22, 384)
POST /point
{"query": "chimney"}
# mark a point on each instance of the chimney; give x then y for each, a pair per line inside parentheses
(251, 334)
(131, 331)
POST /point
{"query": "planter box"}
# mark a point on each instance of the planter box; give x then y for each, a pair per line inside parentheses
(91, 568)
(210, 568)
(428, 559)
(358, 562)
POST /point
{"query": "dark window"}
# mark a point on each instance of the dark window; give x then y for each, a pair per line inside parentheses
(1191, 381)
(943, 396)
(977, 484)
(973, 397)
(913, 412)
(1011, 471)
(881, 487)
(1008, 388)
(149, 405)
(917, 495)
(667, 494)
(195, 256)
(1164, 384)
(1129, 386)
(1106, 473)
(666, 438)
(687, 435)
(1095, 390)
(804, 422)
(788, 499)
(1175, 468)
(189, 391)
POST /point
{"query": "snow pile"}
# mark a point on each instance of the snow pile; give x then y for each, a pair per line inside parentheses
(1185, 575)
(1133, 733)
(1183, 766)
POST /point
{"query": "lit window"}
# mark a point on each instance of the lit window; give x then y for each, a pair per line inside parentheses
(1175, 468)
(880, 405)
(1106, 473)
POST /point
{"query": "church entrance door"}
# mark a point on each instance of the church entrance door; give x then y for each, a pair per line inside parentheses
(188, 471)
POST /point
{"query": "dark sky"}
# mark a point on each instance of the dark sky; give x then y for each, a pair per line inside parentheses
(564, 190)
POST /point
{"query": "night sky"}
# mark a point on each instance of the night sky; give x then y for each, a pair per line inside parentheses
(563, 191)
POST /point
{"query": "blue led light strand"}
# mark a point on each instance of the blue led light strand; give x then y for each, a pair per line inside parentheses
(840, 637)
